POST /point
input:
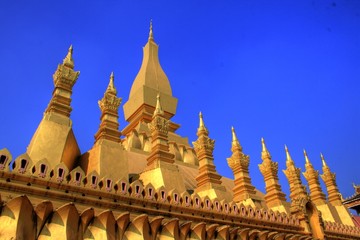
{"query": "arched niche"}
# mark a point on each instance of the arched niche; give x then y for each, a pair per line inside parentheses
(22, 164)
(134, 140)
(59, 173)
(41, 169)
(5, 159)
(76, 176)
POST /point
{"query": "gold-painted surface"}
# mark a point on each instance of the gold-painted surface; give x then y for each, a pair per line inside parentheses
(160, 169)
(164, 175)
(179, 194)
(239, 164)
(331, 186)
(312, 176)
(292, 173)
(274, 197)
(55, 142)
(208, 180)
(107, 159)
(150, 80)
(54, 138)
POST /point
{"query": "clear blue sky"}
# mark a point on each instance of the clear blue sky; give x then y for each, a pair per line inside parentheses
(287, 71)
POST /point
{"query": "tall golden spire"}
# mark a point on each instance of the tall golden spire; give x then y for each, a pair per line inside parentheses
(64, 79)
(297, 190)
(239, 164)
(56, 120)
(312, 177)
(159, 133)
(208, 179)
(274, 197)
(107, 156)
(109, 106)
(150, 80)
(330, 182)
(161, 170)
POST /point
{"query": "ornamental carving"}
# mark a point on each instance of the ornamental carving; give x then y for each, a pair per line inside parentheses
(298, 205)
(269, 167)
(311, 173)
(159, 124)
(204, 143)
(109, 102)
(65, 75)
(328, 176)
(239, 159)
(292, 172)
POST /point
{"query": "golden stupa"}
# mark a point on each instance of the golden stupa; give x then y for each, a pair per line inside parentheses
(148, 182)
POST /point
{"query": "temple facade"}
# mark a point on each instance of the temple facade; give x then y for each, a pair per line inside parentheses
(148, 182)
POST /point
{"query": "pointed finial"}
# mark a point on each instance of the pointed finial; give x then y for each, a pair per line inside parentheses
(158, 109)
(234, 138)
(68, 60)
(111, 86)
(306, 157)
(264, 153)
(151, 36)
(201, 123)
(288, 157)
(323, 160)
(264, 149)
(235, 141)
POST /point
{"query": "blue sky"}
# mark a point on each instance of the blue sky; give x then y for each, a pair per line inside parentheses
(287, 71)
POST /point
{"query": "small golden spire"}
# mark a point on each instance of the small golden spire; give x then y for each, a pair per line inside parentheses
(264, 149)
(111, 86)
(201, 123)
(265, 152)
(323, 160)
(288, 157)
(151, 36)
(68, 60)
(158, 109)
(235, 141)
(306, 157)
(234, 138)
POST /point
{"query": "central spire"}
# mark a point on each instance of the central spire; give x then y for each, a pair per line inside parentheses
(150, 81)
